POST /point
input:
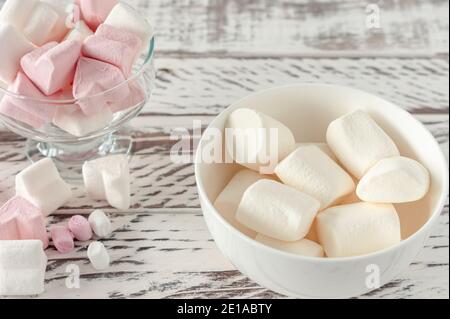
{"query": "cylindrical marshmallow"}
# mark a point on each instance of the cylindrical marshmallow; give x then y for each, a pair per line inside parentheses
(62, 239)
(98, 255)
(359, 142)
(358, 229)
(256, 140)
(303, 247)
(309, 170)
(394, 180)
(80, 228)
(323, 147)
(100, 223)
(276, 210)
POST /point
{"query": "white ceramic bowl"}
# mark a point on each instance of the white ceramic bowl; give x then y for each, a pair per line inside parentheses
(307, 109)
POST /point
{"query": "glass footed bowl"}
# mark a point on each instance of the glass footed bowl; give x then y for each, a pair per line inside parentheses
(70, 150)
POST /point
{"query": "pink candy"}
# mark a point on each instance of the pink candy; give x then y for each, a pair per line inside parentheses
(80, 228)
(51, 67)
(95, 12)
(62, 239)
(20, 220)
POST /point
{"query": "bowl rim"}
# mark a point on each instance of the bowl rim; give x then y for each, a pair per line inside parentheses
(210, 207)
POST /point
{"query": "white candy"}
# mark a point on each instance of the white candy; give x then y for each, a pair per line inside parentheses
(41, 23)
(128, 19)
(17, 12)
(42, 186)
(323, 147)
(249, 141)
(358, 229)
(100, 223)
(228, 201)
(79, 33)
(98, 255)
(394, 180)
(108, 178)
(303, 247)
(22, 267)
(79, 124)
(60, 29)
(13, 47)
(276, 210)
(359, 143)
(311, 171)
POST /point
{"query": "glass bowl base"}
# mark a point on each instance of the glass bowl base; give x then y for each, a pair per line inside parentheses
(69, 158)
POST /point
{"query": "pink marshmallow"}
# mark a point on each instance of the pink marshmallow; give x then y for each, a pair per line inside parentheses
(93, 77)
(95, 12)
(20, 220)
(62, 239)
(136, 97)
(51, 67)
(16, 113)
(80, 228)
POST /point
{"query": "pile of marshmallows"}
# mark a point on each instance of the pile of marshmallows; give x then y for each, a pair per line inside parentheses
(334, 199)
(40, 191)
(42, 59)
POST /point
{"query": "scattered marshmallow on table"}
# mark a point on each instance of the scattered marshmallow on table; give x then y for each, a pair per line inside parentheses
(309, 170)
(93, 77)
(394, 180)
(17, 12)
(14, 47)
(20, 220)
(79, 33)
(22, 267)
(358, 229)
(249, 142)
(95, 12)
(359, 142)
(42, 186)
(276, 210)
(100, 223)
(80, 228)
(129, 19)
(79, 124)
(98, 255)
(108, 178)
(228, 200)
(62, 239)
(303, 247)
(41, 24)
(52, 67)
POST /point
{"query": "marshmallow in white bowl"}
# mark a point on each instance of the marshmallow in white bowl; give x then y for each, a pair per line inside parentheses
(14, 47)
(100, 223)
(257, 141)
(22, 267)
(311, 171)
(359, 142)
(98, 256)
(228, 200)
(323, 147)
(276, 210)
(42, 186)
(79, 124)
(303, 247)
(108, 178)
(394, 180)
(358, 229)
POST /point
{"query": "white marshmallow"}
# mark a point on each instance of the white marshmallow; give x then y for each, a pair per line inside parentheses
(79, 33)
(14, 47)
(358, 229)
(100, 223)
(359, 143)
(17, 12)
(78, 124)
(323, 147)
(394, 180)
(61, 7)
(128, 19)
(42, 186)
(41, 24)
(311, 171)
(98, 255)
(249, 141)
(276, 210)
(22, 267)
(303, 247)
(108, 178)
(228, 201)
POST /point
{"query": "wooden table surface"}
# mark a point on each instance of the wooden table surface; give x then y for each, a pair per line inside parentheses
(210, 53)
